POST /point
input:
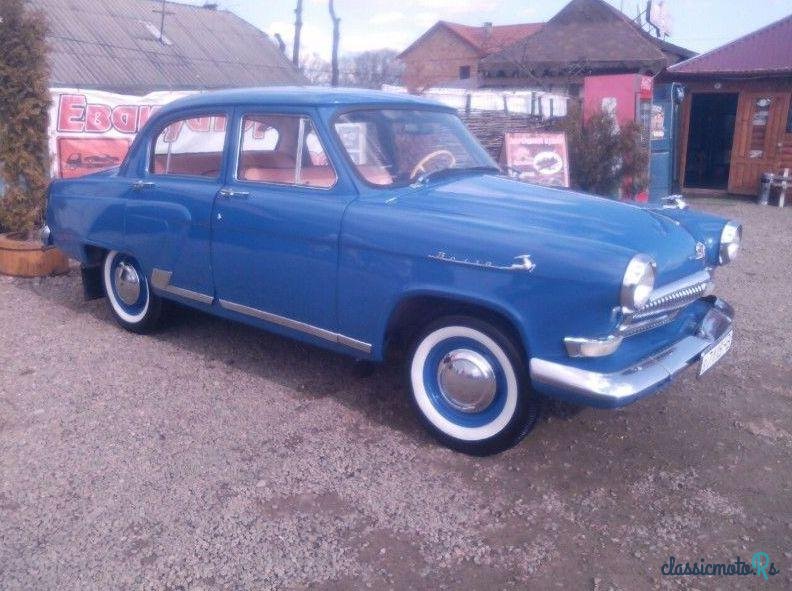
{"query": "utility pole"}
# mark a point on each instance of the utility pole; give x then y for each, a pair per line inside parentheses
(297, 29)
(336, 34)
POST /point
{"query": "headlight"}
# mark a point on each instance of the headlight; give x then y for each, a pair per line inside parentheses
(731, 237)
(638, 282)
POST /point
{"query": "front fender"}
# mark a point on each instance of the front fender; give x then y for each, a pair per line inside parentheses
(704, 227)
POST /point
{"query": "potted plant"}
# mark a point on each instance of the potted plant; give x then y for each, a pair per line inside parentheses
(24, 157)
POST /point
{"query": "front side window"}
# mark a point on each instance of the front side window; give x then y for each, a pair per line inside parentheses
(190, 147)
(284, 150)
(390, 147)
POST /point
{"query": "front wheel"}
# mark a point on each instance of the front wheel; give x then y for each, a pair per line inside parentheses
(469, 386)
(127, 289)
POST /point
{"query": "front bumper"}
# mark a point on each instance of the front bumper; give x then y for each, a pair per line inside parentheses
(610, 390)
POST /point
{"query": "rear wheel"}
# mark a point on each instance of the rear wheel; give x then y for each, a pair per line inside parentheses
(128, 293)
(469, 386)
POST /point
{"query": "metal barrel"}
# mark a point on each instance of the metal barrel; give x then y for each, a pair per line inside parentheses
(764, 188)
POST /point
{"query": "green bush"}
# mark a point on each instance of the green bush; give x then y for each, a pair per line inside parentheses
(24, 104)
(602, 156)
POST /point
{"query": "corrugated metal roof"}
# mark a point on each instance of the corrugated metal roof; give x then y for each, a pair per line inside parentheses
(108, 45)
(766, 51)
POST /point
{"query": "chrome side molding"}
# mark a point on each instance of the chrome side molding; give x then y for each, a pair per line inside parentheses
(310, 329)
(161, 280)
(521, 262)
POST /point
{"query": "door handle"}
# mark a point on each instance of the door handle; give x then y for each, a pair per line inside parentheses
(231, 194)
(140, 185)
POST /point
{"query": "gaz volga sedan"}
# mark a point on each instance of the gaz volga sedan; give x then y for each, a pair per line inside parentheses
(361, 221)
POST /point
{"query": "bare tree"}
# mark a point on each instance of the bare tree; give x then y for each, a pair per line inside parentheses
(371, 69)
(336, 34)
(316, 69)
(297, 29)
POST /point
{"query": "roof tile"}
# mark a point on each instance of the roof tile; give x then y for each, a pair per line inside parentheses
(767, 50)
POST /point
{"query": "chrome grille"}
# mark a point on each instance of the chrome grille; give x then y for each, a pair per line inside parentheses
(666, 303)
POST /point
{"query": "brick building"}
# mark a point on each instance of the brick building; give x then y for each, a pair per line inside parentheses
(448, 54)
(586, 37)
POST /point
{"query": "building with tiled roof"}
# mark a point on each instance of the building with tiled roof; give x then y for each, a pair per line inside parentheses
(586, 37)
(448, 53)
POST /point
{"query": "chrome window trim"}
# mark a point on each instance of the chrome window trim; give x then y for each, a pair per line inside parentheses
(238, 152)
(297, 325)
(152, 146)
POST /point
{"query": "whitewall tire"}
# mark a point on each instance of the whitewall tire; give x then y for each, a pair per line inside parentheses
(131, 301)
(469, 386)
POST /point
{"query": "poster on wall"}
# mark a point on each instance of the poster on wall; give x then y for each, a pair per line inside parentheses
(91, 130)
(537, 157)
(658, 122)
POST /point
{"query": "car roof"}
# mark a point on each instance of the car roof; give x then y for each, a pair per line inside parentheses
(300, 96)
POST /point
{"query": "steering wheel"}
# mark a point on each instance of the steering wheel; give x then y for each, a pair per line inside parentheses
(421, 166)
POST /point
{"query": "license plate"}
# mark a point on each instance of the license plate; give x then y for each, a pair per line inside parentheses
(717, 351)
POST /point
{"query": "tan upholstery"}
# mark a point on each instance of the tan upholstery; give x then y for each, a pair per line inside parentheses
(312, 176)
(193, 164)
(376, 175)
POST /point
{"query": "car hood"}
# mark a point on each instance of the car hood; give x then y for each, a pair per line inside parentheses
(532, 210)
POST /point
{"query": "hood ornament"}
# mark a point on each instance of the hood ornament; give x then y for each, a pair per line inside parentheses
(673, 202)
(521, 262)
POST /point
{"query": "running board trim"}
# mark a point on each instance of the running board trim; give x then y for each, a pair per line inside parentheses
(315, 331)
(161, 280)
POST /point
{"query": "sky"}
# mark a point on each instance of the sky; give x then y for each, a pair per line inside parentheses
(699, 25)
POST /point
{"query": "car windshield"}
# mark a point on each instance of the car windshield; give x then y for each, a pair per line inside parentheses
(391, 147)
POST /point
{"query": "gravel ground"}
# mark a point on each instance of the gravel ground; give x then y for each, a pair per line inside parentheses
(211, 455)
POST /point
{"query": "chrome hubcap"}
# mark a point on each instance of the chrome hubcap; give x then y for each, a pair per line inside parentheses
(127, 283)
(467, 380)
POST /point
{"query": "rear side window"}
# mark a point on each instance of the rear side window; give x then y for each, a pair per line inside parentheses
(190, 147)
(283, 150)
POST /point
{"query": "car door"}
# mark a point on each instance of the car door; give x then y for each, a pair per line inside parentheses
(276, 223)
(169, 209)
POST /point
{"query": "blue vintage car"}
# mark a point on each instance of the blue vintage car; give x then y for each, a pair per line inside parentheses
(367, 223)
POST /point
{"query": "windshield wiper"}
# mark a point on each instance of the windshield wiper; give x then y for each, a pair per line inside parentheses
(443, 172)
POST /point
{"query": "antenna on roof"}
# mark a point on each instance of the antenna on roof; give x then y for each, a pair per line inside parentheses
(162, 12)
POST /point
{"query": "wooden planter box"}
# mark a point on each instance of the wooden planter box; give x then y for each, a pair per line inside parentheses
(29, 258)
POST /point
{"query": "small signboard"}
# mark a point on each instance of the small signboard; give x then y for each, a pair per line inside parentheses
(539, 158)
(353, 136)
